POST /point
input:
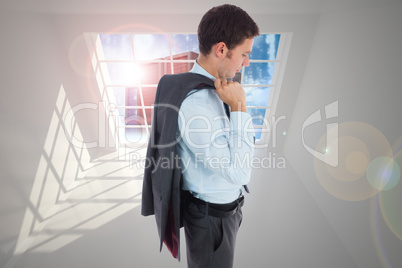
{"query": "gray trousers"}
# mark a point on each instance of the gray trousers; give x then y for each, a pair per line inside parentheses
(210, 240)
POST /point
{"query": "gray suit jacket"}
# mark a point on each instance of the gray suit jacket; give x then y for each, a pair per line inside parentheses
(161, 193)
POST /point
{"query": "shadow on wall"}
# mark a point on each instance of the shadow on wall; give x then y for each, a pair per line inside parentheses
(60, 165)
(72, 194)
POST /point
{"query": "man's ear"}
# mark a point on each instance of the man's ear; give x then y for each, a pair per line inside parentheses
(221, 49)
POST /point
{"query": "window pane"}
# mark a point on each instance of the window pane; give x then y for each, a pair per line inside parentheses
(152, 72)
(182, 67)
(134, 117)
(182, 43)
(116, 46)
(133, 135)
(257, 115)
(122, 72)
(257, 96)
(185, 56)
(148, 94)
(265, 47)
(121, 117)
(132, 97)
(117, 95)
(151, 46)
(258, 133)
(131, 117)
(259, 73)
(149, 112)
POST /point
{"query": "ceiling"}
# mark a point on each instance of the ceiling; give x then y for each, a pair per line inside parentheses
(186, 6)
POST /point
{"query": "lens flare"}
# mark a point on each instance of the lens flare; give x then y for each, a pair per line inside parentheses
(356, 162)
(391, 210)
(391, 200)
(378, 233)
(383, 173)
(353, 156)
(358, 144)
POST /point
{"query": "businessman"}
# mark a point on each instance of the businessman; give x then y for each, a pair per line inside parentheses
(213, 141)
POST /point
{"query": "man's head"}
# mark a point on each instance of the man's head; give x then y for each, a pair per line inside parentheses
(228, 24)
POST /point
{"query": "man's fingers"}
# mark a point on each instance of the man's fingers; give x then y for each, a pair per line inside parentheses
(224, 82)
(218, 83)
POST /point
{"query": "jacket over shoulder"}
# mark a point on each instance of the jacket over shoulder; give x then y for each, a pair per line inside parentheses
(162, 175)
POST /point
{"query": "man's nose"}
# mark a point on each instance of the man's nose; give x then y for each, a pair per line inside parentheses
(246, 61)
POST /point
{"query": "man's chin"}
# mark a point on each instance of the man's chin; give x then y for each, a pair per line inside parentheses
(231, 76)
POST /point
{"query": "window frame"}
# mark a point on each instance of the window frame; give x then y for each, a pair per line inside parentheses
(104, 83)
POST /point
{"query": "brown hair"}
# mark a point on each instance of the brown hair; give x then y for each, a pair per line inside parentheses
(226, 23)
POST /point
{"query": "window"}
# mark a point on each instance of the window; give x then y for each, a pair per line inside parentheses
(257, 78)
(131, 65)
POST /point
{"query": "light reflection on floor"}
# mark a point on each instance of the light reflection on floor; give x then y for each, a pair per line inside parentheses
(109, 189)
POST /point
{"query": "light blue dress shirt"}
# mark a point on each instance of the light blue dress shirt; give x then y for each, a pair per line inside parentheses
(215, 152)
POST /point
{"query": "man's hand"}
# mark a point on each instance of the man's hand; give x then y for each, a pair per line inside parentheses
(231, 93)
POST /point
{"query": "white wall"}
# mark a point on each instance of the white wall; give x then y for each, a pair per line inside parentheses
(356, 60)
(38, 163)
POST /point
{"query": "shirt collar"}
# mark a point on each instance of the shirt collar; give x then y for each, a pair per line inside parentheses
(199, 70)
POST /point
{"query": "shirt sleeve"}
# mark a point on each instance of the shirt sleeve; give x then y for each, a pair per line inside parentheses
(222, 145)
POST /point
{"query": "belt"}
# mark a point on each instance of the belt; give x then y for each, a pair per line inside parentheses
(217, 210)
